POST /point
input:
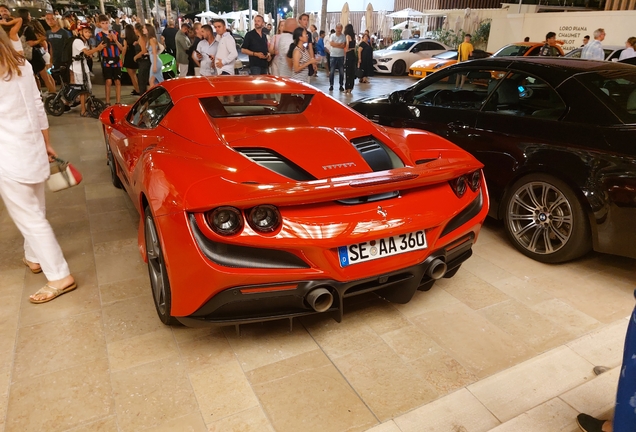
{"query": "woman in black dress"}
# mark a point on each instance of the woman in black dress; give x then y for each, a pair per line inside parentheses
(365, 59)
(129, 58)
(350, 58)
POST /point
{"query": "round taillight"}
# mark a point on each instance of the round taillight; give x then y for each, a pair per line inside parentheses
(459, 186)
(264, 218)
(225, 220)
(474, 181)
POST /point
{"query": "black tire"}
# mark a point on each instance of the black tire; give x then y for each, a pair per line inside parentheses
(399, 68)
(95, 106)
(159, 282)
(54, 105)
(113, 169)
(545, 220)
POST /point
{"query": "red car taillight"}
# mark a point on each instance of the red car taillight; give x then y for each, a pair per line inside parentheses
(462, 183)
(225, 220)
(264, 218)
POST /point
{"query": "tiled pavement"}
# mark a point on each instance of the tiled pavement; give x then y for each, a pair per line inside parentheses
(508, 344)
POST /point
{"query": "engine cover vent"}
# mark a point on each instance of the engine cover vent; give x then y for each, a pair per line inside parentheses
(376, 154)
(273, 161)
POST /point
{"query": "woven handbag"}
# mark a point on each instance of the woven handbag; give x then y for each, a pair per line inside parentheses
(63, 175)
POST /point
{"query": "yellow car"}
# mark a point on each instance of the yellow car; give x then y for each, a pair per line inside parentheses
(422, 68)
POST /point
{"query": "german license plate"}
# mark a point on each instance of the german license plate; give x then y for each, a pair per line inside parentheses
(374, 249)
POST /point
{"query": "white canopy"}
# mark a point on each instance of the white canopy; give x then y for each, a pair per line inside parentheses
(407, 13)
(402, 25)
(208, 14)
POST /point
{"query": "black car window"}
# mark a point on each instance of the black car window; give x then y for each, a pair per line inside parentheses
(150, 109)
(422, 46)
(521, 94)
(616, 89)
(610, 55)
(575, 53)
(512, 50)
(247, 105)
(533, 52)
(445, 91)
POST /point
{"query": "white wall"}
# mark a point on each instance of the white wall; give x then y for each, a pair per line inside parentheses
(570, 27)
(354, 5)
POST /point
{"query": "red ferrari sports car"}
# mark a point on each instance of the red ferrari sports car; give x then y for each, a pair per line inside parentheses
(262, 198)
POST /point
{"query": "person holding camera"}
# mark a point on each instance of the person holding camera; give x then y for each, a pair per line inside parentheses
(111, 58)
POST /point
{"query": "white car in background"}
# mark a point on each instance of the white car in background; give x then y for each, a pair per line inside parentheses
(611, 52)
(398, 58)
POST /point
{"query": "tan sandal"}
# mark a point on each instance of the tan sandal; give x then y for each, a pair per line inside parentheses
(56, 292)
(34, 271)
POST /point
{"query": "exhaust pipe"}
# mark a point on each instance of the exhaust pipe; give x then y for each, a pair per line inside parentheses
(320, 299)
(437, 269)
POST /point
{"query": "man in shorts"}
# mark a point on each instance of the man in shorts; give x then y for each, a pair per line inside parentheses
(111, 57)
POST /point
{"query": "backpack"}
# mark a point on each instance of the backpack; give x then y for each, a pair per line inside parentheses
(67, 51)
(26, 48)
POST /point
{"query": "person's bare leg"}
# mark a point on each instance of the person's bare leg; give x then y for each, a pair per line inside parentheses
(133, 78)
(117, 91)
(83, 103)
(151, 82)
(48, 81)
(608, 426)
(107, 84)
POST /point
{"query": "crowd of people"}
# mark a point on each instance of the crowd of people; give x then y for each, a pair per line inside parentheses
(591, 50)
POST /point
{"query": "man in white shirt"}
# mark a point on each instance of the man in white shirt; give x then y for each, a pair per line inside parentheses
(226, 53)
(337, 43)
(594, 50)
(406, 33)
(205, 53)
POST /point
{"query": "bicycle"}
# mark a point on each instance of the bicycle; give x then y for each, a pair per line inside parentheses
(55, 104)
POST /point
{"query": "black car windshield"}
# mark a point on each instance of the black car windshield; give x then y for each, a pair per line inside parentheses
(616, 89)
(401, 46)
(512, 50)
(246, 105)
(447, 55)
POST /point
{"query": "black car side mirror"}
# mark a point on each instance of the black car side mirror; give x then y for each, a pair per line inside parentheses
(397, 97)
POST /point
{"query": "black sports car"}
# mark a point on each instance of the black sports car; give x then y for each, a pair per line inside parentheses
(557, 138)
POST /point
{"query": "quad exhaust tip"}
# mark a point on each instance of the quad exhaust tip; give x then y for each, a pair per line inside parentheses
(320, 299)
(437, 269)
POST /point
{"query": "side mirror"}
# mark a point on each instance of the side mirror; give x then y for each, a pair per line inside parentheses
(415, 50)
(397, 97)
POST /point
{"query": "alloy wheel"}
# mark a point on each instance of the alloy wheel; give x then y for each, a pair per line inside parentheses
(540, 217)
(156, 266)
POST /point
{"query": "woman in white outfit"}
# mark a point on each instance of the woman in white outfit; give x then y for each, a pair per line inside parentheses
(24, 167)
(273, 49)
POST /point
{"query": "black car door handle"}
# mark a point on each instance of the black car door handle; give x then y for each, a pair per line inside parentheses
(458, 125)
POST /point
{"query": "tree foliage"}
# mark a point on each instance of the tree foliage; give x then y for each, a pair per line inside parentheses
(479, 36)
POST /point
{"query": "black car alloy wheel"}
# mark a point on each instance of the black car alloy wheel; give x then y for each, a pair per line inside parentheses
(399, 68)
(545, 220)
(159, 281)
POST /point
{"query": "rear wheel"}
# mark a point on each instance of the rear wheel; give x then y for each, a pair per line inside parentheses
(545, 220)
(54, 105)
(94, 106)
(399, 68)
(157, 271)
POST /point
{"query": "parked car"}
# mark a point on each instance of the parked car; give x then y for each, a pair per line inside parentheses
(263, 198)
(398, 58)
(526, 49)
(169, 70)
(423, 68)
(556, 137)
(611, 52)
